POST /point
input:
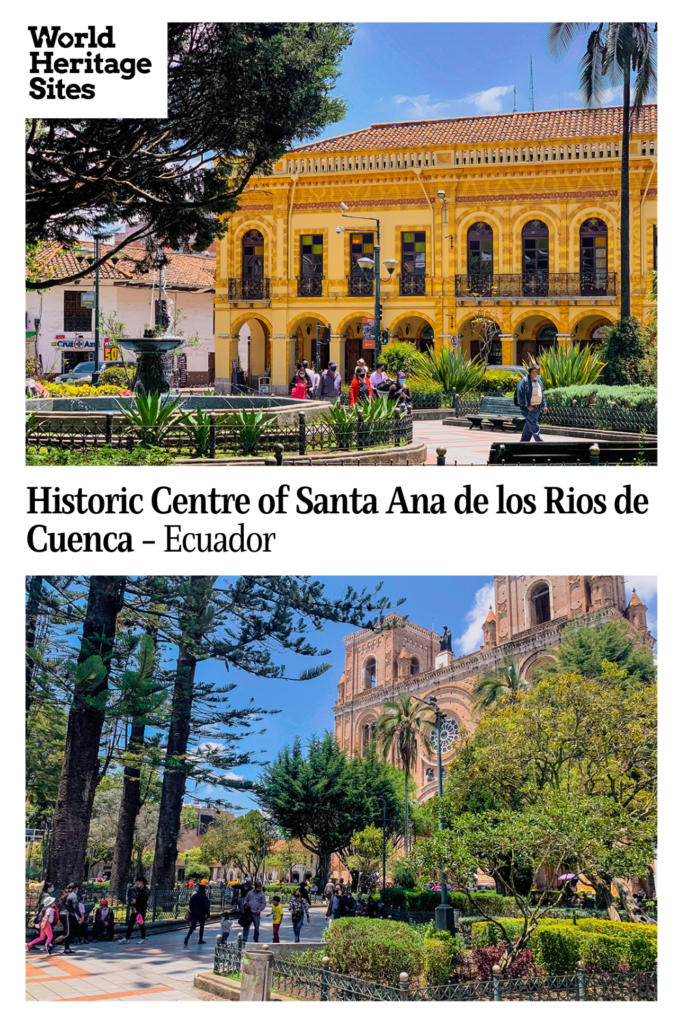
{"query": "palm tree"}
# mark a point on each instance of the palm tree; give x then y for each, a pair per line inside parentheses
(404, 721)
(614, 49)
(499, 684)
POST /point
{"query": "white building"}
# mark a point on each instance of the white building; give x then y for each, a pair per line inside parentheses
(60, 321)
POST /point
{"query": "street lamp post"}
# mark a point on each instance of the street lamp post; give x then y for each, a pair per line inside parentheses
(445, 917)
(96, 374)
(368, 265)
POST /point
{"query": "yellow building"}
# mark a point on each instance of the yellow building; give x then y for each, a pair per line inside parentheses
(519, 212)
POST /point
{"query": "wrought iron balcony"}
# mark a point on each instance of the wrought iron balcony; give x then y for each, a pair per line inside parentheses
(361, 287)
(310, 285)
(537, 285)
(412, 284)
(248, 289)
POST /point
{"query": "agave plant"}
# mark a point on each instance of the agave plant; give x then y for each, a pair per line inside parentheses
(152, 417)
(378, 415)
(563, 367)
(343, 419)
(198, 426)
(249, 425)
(451, 369)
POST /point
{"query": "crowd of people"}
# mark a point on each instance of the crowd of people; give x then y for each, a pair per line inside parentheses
(364, 387)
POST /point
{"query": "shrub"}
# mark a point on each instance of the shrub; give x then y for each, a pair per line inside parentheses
(602, 945)
(505, 381)
(404, 875)
(399, 355)
(485, 933)
(486, 957)
(83, 390)
(490, 902)
(451, 369)
(561, 367)
(104, 456)
(437, 962)
(624, 350)
(375, 950)
(309, 958)
(420, 386)
(118, 376)
(633, 396)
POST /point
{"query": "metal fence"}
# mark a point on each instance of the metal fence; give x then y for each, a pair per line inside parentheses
(215, 439)
(324, 985)
(587, 282)
(164, 904)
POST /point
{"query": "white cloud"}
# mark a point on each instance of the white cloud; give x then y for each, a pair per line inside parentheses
(472, 639)
(611, 94)
(422, 109)
(489, 101)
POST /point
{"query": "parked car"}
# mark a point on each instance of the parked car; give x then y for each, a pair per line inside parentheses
(84, 371)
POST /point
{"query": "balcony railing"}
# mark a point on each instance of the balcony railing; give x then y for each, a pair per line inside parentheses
(537, 285)
(361, 287)
(248, 288)
(310, 285)
(412, 284)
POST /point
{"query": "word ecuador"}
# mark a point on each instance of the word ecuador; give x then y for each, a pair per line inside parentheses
(46, 61)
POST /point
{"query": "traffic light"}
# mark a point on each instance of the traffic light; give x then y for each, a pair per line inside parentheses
(380, 310)
(385, 335)
(326, 335)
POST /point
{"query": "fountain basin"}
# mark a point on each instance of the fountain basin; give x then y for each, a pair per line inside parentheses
(286, 409)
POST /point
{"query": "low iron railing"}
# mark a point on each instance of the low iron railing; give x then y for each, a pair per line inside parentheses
(164, 904)
(324, 985)
(302, 437)
(248, 288)
(310, 285)
(360, 287)
(535, 285)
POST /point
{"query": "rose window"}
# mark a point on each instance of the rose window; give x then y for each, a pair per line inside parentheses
(450, 731)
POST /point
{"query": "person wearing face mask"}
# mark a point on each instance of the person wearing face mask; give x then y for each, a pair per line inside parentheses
(359, 389)
(138, 898)
(530, 398)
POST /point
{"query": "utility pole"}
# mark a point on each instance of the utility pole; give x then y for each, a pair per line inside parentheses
(514, 101)
(531, 83)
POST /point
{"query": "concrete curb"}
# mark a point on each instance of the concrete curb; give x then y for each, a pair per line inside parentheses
(229, 988)
(579, 432)
(414, 454)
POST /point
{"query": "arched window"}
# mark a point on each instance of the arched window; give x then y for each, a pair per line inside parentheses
(539, 603)
(394, 670)
(593, 268)
(414, 666)
(252, 265)
(369, 674)
(535, 257)
(480, 258)
(366, 737)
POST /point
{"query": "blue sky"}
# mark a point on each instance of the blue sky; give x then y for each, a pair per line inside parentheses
(408, 71)
(461, 602)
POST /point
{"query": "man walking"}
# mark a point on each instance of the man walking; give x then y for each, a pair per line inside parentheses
(200, 910)
(531, 401)
(138, 898)
(330, 384)
(254, 903)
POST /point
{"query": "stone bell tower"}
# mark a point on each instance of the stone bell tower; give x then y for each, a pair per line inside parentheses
(526, 602)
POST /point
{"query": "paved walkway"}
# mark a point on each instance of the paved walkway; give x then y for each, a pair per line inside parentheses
(466, 447)
(160, 969)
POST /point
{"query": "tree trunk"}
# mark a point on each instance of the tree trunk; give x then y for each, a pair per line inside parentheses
(32, 608)
(635, 915)
(80, 767)
(625, 273)
(130, 807)
(175, 771)
(406, 821)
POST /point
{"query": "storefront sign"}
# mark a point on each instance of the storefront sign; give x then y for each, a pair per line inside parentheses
(87, 300)
(77, 343)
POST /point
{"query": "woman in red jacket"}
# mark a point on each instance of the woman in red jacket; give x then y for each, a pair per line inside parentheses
(359, 389)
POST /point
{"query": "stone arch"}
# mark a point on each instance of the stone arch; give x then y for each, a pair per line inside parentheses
(249, 314)
(552, 222)
(469, 342)
(300, 341)
(525, 342)
(599, 313)
(542, 315)
(535, 661)
(266, 229)
(369, 672)
(461, 228)
(364, 731)
(260, 350)
(409, 314)
(538, 610)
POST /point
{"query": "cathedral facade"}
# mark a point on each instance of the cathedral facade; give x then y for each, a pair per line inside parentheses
(531, 614)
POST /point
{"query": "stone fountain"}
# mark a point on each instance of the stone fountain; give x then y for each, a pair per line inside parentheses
(150, 354)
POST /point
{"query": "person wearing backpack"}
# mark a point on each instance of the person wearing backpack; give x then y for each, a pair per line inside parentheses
(200, 910)
(530, 398)
(299, 908)
(44, 921)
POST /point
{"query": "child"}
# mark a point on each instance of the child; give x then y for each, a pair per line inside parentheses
(48, 917)
(226, 925)
(276, 914)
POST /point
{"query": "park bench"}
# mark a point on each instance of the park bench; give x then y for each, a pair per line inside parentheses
(498, 410)
(581, 453)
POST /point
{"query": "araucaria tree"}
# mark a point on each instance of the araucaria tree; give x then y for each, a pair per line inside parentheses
(404, 724)
(243, 92)
(615, 50)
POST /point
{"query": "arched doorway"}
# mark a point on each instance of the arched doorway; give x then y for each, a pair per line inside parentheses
(589, 331)
(539, 603)
(255, 351)
(252, 265)
(535, 255)
(425, 340)
(357, 347)
(480, 258)
(534, 335)
(303, 345)
(594, 249)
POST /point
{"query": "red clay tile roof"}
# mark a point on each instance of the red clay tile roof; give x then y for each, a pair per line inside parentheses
(184, 270)
(489, 129)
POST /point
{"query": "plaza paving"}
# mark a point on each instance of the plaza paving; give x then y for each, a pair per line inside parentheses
(467, 447)
(160, 969)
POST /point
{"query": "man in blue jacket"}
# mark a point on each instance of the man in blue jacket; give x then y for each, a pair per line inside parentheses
(531, 401)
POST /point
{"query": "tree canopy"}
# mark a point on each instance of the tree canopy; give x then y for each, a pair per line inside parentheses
(240, 94)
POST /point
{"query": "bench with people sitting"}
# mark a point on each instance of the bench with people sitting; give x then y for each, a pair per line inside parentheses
(581, 453)
(498, 411)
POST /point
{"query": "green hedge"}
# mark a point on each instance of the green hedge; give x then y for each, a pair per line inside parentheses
(374, 950)
(633, 396)
(503, 380)
(421, 899)
(558, 946)
(120, 376)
